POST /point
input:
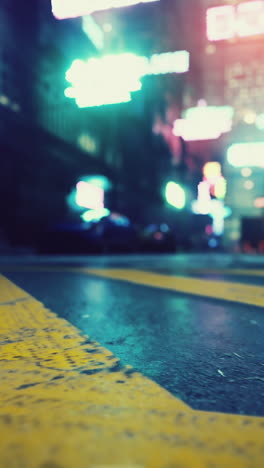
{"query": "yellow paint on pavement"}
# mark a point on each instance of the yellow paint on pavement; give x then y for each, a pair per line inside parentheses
(227, 271)
(247, 294)
(67, 402)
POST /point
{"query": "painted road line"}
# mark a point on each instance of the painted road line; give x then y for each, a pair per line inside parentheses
(236, 292)
(227, 271)
(225, 290)
(66, 402)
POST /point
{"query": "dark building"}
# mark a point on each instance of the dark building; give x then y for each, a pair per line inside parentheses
(47, 142)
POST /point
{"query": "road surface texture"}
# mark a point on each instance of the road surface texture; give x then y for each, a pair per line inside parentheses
(132, 361)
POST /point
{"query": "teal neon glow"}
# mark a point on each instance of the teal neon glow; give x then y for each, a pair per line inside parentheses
(93, 31)
(89, 195)
(63, 9)
(95, 215)
(112, 78)
(107, 80)
(246, 154)
(260, 121)
(175, 195)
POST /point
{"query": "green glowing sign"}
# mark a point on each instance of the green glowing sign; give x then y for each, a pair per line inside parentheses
(112, 78)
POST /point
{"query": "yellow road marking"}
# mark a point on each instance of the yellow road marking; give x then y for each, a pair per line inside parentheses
(225, 290)
(247, 294)
(227, 271)
(231, 291)
(66, 402)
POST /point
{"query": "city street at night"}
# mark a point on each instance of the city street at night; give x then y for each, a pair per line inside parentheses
(132, 234)
(133, 361)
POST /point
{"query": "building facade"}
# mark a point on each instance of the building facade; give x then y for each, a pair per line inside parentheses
(232, 74)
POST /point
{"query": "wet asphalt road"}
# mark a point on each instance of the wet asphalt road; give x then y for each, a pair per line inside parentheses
(209, 353)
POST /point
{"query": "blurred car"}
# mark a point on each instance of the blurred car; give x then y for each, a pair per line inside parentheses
(113, 233)
(157, 238)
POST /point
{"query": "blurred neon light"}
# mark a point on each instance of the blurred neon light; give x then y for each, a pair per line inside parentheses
(250, 18)
(212, 169)
(112, 78)
(246, 172)
(95, 215)
(260, 121)
(175, 195)
(220, 188)
(63, 9)
(89, 195)
(108, 80)
(220, 23)
(210, 112)
(246, 154)
(204, 123)
(169, 62)
(93, 31)
(226, 22)
(205, 205)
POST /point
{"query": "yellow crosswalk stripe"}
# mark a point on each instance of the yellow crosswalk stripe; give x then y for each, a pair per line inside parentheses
(67, 402)
(231, 291)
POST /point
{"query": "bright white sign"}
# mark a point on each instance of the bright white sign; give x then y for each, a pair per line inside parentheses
(246, 154)
(204, 123)
(63, 9)
(228, 21)
(112, 78)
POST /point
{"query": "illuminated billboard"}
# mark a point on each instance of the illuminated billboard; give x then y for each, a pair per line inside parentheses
(242, 20)
(246, 154)
(63, 9)
(204, 123)
(112, 78)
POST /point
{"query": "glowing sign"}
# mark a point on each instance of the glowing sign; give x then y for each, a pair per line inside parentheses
(175, 195)
(169, 62)
(107, 80)
(246, 154)
(226, 22)
(250, 18)
(208, 113)
(89, 195)
(73, 8)
(112, 78)
(204, 123)
(220, 23)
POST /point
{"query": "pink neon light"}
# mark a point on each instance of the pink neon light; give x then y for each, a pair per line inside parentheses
(221, 23)
(89, 196)
(226, 22)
